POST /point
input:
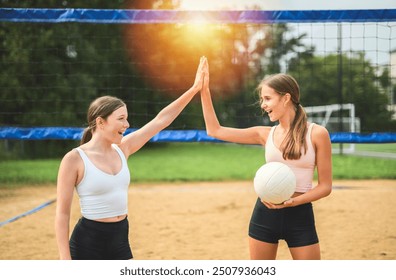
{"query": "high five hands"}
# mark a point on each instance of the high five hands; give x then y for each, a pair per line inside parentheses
(202, 75)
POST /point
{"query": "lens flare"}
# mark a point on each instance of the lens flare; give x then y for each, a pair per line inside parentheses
(167, 55)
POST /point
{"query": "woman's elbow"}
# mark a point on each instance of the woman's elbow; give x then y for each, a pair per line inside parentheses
(327, 190)
(162, 121)
(212, 132)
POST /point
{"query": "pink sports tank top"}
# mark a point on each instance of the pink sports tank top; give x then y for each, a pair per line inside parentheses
(303, 168)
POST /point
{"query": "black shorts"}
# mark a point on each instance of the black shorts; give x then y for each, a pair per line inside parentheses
(92, 240)
(295, 225)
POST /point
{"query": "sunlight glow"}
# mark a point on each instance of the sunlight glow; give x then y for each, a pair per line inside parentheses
(198, 19)
(217, 4)
(285, 4)
(195, 29)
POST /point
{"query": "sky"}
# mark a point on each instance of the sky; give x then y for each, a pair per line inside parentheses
(288, 4)
(362, 32)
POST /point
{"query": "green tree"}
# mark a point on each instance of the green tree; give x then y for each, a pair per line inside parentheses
(51, 72)
(269, 48)
(362, 86)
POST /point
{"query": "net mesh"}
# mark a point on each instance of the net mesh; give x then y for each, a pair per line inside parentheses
(55, 62)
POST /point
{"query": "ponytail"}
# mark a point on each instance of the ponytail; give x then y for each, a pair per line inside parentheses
(295, 141)
(295, 138)
(87, 135)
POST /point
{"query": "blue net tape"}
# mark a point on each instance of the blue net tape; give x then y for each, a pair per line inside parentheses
(175, 16)
(181, 16)
(73, 133)
(34, 210)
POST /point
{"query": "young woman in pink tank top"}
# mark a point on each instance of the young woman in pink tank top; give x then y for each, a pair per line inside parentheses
(97, 170)
(293, 220)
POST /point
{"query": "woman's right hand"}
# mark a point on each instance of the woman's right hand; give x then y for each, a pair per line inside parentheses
(206, 77)
(199, 77)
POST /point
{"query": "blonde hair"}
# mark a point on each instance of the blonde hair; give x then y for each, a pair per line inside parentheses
(294, 141)
(101, 107)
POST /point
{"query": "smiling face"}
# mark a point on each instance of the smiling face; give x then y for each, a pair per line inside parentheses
(272, 103)
(115, 125)
(280, 95)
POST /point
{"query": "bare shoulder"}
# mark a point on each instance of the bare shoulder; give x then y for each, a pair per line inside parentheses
(320, 134)
(70, 172)
(71, 158)
(319, 130)
(71, 155)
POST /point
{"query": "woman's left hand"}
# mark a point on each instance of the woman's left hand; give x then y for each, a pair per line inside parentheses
(287, 203)
(199, 76)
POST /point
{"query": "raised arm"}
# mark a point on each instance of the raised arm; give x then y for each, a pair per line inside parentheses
(251, 135)
(134, 141)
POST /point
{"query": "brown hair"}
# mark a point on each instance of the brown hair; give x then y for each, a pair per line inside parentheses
(100, 107)
(292, 145)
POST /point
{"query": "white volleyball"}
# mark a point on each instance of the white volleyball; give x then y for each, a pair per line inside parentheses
(274, 182)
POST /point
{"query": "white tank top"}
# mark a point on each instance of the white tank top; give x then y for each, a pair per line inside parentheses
(103, 195)
(303, 168)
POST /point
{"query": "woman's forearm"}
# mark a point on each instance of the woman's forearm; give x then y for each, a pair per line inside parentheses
(62, 237)
(168, 114)
(211, 122)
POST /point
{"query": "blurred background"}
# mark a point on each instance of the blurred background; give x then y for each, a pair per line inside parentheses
(50, 72)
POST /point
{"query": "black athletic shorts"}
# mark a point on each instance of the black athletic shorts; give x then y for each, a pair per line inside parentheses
(295, 225)
(92, 240)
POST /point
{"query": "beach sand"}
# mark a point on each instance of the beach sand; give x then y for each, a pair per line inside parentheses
(209, 221)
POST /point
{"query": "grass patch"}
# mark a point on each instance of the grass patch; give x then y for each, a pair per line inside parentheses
(374, 147)
(28, 172)
(358, 167)
(194, 162)
(383, 148)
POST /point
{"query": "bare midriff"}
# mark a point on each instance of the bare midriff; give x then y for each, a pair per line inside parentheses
(112, 219)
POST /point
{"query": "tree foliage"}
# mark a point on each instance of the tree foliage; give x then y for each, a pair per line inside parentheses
(51, 72)
(362, 86)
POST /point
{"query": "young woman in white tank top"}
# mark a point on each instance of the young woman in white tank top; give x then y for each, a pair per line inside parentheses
(98, 171)
(294, 142)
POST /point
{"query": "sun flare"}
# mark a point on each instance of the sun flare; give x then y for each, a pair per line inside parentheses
(205, 5)
(197, 5)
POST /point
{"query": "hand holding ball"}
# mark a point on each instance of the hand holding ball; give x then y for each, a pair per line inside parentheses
(274, 182)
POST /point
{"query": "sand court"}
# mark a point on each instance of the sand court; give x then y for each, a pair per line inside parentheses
(209, 221)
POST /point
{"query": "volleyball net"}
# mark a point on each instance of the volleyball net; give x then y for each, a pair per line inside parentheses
(56, 61)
